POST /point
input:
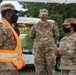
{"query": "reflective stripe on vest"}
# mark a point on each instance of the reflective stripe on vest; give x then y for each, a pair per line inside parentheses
(14, 56)
(8, 56)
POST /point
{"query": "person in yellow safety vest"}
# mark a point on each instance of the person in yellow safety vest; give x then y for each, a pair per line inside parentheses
(10, 43)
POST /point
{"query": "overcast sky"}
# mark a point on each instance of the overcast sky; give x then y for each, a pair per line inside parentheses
(15, 3)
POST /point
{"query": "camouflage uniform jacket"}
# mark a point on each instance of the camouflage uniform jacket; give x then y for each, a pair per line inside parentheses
(7, 42)
(44, 35)
(69, 44)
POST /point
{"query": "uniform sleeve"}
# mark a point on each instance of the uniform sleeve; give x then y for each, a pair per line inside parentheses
(1, 39)
(69, 53)
(55, 31)
(32, 33)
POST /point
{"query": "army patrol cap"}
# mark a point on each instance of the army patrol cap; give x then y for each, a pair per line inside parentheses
(8, 6)
(69, 21)
(43, 11)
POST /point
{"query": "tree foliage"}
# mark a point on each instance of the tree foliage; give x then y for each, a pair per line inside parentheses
(58, 12)
(27, 43)
(61, 33)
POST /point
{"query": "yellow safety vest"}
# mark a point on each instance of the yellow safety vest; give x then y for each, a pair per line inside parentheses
(14, 56)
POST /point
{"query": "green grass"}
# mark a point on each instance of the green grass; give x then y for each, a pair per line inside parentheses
(32, 72)
(58, 73)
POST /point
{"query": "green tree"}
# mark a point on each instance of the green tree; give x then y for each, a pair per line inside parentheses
(57, 12)
(33, 10)
(61, 32)
(70, 10)
(66, 10)
(58, 18)
(27, 43)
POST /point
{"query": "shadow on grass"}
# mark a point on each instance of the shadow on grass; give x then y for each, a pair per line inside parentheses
(30, 70)
(27, 70)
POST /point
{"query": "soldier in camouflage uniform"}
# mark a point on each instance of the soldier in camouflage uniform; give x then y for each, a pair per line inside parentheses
(44, 34)
(7, 39)
(68, 48)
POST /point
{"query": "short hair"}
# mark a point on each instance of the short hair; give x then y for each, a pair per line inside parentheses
(73, 25)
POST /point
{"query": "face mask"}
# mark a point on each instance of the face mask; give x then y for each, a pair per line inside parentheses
(66, 30)
(14, 18)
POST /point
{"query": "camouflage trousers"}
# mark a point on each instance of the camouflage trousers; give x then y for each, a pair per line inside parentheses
(68, 72)
(44, 63)
(8, 72)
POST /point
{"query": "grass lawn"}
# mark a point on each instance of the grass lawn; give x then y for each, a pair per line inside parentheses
(31, 71)
(58, 73)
